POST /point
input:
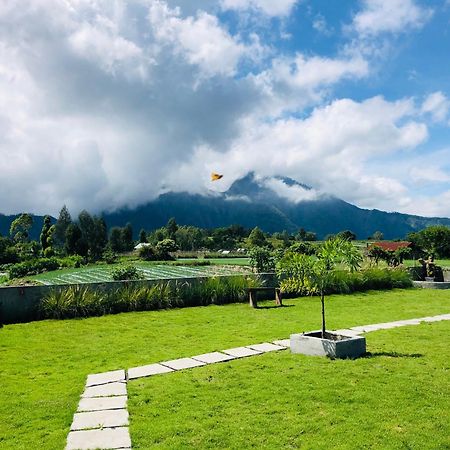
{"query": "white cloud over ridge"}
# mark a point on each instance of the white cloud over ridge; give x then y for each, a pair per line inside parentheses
(106, 104)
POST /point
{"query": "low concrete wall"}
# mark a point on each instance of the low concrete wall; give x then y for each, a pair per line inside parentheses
(432, 284)
(21, 304)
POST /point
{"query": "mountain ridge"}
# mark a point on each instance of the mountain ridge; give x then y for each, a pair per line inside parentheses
(252, 201)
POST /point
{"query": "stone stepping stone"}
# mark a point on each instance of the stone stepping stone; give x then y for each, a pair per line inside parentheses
(401, 323)
(283, 342)
(108, 438)
(266, 347)
(105, 377)
(146, 371)
(241, 352)
(436, 318)
(100, 419)
(102, 403)
(347, 332)
(105, 390)
(182, 363)
(366, 328)
(214, 357)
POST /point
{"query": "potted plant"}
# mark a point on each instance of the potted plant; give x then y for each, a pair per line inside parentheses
(334, 254)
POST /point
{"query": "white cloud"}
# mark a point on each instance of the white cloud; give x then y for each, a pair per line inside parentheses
(270, 7)
(320, 24)
(294, 193)
(106, 104)
(296, 82)
(392, 16)
(201, 40)
(437, 105)
(330, 150)
(429, 173)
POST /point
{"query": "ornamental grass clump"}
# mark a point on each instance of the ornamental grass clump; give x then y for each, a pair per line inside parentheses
(84, 301)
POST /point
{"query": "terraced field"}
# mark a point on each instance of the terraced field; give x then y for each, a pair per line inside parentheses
(96, 274)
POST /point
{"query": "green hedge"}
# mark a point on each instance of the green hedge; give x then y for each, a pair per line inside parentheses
(39, 265)
(82, 301)
(347, 282)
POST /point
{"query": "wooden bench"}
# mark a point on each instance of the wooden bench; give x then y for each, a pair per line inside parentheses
(253, 291)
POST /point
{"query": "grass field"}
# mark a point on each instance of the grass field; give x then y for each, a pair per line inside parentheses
(397, 398)
(150, 271)
(43, 368)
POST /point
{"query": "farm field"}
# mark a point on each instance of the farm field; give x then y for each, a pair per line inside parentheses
(222, 261)
(150, 271)
(298, 400)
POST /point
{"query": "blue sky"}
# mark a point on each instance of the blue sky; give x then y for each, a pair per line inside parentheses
(108, 103)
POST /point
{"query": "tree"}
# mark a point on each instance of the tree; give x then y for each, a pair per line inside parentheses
(99, 238)
(332, 252)
(347, 235)
(94, 232)
(189, 238)
(115, 239)
(8, 253)
(257, 238)
(45, 236)
(74, 242)
(171, 228)
(20, 228)
(377, 253)
(434, 240)
(303, 247)
(317, 274)
(127, 237)
(64, 220)
(142, 236)
(377, 236)
(164, 248)
(87, 226)
(262, 260)
(303, 235)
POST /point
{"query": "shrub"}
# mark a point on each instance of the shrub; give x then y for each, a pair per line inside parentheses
(109, 256)
(262, 260)
(49, 252)
(33, 267)
(293, 270)
(126, 273)
(147, 253)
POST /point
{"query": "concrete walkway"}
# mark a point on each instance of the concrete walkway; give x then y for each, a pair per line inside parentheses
(101, 420)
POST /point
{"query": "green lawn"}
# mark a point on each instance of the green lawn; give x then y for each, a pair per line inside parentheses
(396, 399)
(43, 368)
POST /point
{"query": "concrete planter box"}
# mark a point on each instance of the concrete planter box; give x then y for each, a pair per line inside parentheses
(334, 346)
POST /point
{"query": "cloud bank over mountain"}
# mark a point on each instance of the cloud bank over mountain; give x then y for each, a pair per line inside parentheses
(105, 104)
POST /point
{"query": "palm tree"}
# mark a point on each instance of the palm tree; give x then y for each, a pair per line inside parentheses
(333, 254)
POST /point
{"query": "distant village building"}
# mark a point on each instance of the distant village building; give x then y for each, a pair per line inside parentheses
(142, 245)
(390, 246)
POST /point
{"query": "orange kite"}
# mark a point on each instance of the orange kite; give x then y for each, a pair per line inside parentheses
(215, 176)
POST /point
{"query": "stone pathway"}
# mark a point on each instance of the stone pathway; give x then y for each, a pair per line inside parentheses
(101, 420)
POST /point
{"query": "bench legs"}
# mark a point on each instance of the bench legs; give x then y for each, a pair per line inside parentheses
(278, 300)
(253, 302)
(252, 299)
